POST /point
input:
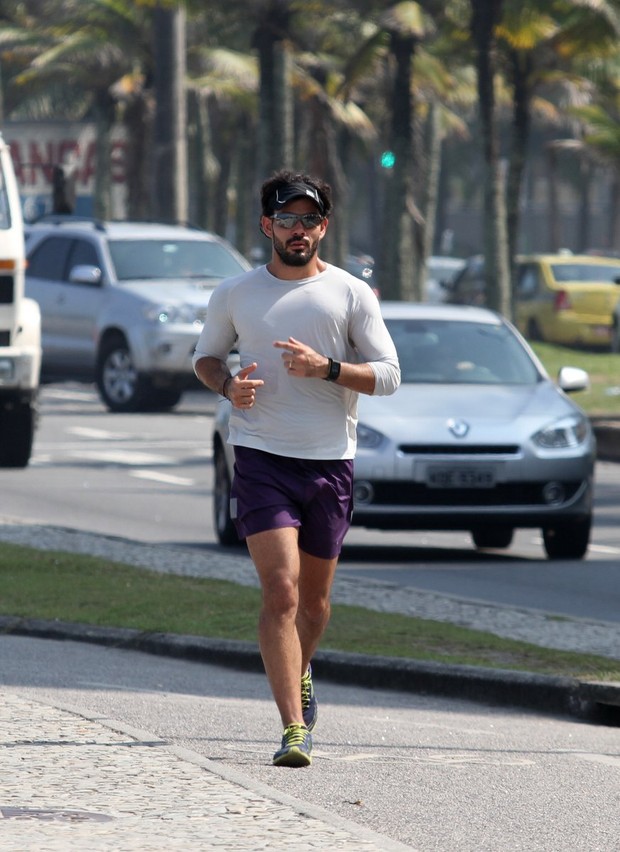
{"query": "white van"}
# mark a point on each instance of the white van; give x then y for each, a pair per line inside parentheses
(20, 329)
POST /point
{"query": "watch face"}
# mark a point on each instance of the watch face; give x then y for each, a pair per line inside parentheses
(334, 371)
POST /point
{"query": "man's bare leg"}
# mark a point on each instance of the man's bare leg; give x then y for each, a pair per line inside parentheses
(294, 613)
(315, 583)
(276, 557)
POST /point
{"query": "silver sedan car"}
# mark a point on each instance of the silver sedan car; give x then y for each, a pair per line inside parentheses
(477, 438)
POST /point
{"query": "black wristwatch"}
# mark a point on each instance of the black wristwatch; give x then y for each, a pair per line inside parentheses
(333, 370)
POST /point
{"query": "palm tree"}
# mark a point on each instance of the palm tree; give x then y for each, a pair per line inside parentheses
(272, 40)
(170, 139)
(484, 19)
(391, 49)
(602, 139)
(85, 52)
(223, 108)
(544, 42)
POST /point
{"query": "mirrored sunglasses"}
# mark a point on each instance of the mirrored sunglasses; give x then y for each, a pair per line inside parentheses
(289, 220)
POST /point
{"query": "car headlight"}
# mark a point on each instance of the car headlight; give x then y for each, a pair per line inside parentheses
(563, 434)
(367, 438)
(170, 313)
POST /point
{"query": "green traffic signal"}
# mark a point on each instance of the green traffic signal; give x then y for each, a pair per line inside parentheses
(388, 158)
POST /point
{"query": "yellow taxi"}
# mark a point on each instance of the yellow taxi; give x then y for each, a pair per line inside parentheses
(568, 298)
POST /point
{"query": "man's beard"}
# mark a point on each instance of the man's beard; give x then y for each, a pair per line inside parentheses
(296, 257)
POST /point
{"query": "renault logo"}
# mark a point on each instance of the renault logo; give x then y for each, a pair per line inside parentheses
(459, 428)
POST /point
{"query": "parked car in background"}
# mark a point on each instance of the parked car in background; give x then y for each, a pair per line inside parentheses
(123, 303)
(568, 299)
(440, 272)
(477, 438)
(560, 298)
(468, 286)
(363, 266)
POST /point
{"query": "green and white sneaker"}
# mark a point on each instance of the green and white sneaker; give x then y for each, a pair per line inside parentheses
(296, 747)
(309, 704)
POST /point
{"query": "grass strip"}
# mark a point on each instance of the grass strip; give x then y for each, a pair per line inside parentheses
(54, 585)
(603, 397)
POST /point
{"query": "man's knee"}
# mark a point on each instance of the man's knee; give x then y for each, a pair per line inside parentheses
(280, 597)
(315, 611)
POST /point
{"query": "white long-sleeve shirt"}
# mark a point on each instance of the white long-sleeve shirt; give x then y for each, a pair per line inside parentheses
(333, 312)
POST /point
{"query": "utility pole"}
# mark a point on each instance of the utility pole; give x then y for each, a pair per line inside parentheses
(170, 142)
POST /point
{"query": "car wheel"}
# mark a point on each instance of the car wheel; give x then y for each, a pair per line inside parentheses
(17, 426)
(120, 385)
(614, 344)
(223, 523)
(497, 538)
(568, 541)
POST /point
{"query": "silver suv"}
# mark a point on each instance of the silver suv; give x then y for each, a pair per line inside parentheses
(122, 303)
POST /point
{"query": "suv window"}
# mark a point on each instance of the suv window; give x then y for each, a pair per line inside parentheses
(82, 252)
(49, 259)
(140, 259)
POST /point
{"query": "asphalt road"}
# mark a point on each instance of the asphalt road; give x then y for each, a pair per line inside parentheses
(149, 478)
(432, 773)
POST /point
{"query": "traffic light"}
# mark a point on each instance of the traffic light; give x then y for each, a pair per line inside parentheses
(388, 159)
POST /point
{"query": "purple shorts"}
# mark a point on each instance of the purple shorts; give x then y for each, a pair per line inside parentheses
(269, 492)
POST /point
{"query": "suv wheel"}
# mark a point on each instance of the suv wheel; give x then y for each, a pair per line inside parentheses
(120, 385)
(17, 424)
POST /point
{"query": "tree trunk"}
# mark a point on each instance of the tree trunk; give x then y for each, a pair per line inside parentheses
(521, 127)
(170, 143)
(138, 120)
(433, 168)
(613, 233)
(397, 261)
(485, 14)
(245, 198)
(104, 118)
(586, 171)
(275, 126)
(553, 203)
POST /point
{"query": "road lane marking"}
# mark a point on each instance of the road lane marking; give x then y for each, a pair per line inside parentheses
(605, 759)
(60, 393)
(99, 434)
(166, 478)
(124, 457)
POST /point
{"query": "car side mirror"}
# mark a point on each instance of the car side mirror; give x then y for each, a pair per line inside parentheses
(84, 273)
(571, 379)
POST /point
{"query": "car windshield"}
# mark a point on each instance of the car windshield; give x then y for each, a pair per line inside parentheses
(140, 259)
(444, 352)
(585, 272)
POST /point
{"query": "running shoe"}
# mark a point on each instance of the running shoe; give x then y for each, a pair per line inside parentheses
(309, 704)
(296, 747)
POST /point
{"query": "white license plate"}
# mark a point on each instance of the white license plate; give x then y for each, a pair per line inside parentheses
(460, 477)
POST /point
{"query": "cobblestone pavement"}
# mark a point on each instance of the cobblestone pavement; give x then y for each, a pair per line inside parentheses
(70, 782)
(73, 782)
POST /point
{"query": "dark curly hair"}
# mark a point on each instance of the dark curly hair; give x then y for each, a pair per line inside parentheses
(284, 177)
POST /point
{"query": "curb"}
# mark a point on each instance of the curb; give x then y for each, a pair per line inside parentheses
(587, 700)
